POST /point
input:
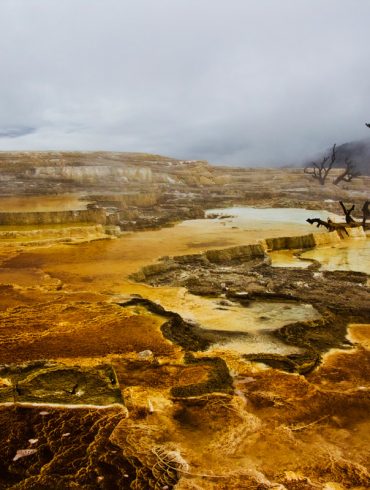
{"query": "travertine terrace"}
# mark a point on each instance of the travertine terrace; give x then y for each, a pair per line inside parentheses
(148, 343)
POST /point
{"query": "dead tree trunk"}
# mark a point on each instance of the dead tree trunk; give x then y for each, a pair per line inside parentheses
(321, 170)
(350, 222)
(347, 212)
(330, 225)
(348, 173)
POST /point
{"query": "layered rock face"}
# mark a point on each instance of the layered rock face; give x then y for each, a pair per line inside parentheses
(141, 191)
(57, 172)
(97, 169)
(53, 217)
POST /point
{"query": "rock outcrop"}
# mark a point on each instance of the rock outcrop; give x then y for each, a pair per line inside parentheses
(112, 173)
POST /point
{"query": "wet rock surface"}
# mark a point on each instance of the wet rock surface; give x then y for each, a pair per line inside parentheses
(243, 281)
(72, 449)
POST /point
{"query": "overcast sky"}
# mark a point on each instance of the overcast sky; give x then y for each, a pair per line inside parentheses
(247, 82)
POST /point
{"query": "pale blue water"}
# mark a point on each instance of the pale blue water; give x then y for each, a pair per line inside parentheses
(244, 216)
(352, 254)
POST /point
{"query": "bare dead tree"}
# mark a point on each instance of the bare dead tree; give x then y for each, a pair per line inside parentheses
(349, 172)
(365, 214)
(350, 222)
(329, 224)
(347, 212)
(320, 171)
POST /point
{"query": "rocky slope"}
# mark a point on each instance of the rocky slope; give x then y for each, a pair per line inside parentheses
(139, 190)
(359, 152)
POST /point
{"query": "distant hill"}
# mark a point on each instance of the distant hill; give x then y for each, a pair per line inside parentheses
(359, 152)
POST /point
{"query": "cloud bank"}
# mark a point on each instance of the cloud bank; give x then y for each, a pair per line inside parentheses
(242, 82)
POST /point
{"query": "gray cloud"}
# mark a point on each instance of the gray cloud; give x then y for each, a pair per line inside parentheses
(237, 82)
(15, 132)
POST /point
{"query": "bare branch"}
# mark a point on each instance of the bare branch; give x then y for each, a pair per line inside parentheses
(330, 225)
(350, 222)
(321, 170)
(348, 173)
(348, 212)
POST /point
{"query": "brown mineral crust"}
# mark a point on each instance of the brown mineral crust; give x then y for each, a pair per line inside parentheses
(162, 376)
(359, 334)
(286, 430)
(77, 329)
(46, 382)
(343, 371)
(292, 400)
(274, 282)
(317, 427)
(72, 449)
(218, 379)
(13, 295)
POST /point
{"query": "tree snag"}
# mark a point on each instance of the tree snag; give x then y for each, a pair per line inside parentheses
(321, 170)
(329, 224)
(350, 222)
(347, 212)
(348, 173)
